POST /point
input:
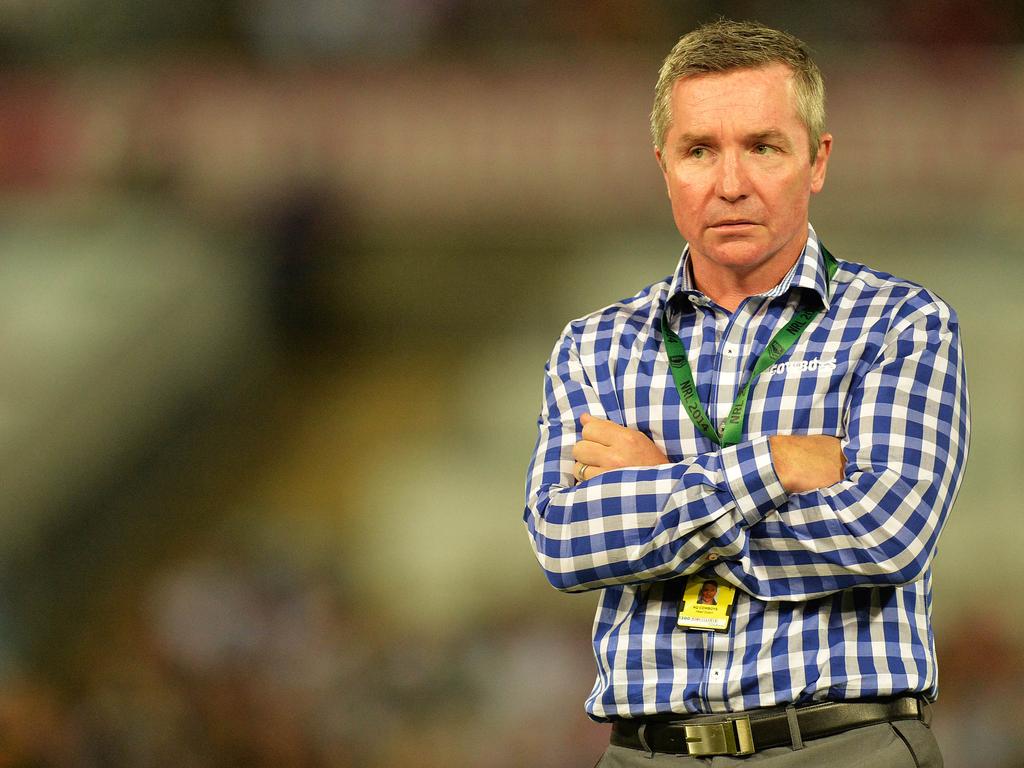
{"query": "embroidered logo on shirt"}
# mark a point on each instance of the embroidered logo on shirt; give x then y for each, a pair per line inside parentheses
(815, 364)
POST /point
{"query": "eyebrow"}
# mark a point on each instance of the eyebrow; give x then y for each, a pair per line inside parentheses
(689, 139)
(772, 134)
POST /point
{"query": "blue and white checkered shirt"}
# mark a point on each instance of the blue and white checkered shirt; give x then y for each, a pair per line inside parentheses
(834, 585)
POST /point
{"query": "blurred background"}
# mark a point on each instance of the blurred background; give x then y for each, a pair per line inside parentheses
(278, 281)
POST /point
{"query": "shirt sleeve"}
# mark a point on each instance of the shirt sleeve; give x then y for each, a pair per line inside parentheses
(906, 443)
(635, 524)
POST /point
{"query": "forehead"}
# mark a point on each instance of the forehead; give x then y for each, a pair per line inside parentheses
(743, 98)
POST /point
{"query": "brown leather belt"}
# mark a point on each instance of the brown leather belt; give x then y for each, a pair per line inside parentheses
(743, 733)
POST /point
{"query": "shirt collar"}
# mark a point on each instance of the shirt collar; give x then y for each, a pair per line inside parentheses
(809, 272)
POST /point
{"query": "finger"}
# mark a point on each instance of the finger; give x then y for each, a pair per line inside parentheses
(583, 471)
(591, 453)
(601, 431)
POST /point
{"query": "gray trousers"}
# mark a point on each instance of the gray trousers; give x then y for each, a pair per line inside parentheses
(902, 744)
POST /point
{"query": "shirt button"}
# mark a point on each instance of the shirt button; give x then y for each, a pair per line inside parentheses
(731, 351)
(712, 556)
(694, 299)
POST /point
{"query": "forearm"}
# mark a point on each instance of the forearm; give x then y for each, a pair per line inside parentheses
(869, 531)
(645, 523)
(906, 446)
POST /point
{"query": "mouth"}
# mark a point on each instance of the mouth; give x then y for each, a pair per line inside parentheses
(733, 223)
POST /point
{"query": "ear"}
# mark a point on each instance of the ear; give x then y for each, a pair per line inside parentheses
(820, 164)
(660, 157)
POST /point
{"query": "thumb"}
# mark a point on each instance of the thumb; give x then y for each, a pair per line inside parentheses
(585, 418)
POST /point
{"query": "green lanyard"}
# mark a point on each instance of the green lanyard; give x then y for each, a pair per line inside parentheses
(777, 347)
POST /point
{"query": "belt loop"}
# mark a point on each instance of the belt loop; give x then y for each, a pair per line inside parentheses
(794, 727)
(643, 742)
(924, 711)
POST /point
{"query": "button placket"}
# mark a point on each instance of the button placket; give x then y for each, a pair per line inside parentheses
(730, 370)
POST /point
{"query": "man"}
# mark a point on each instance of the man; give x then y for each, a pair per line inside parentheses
(708, 590)
(792, 425)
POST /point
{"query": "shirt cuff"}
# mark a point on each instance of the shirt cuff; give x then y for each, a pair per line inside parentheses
(751, 479)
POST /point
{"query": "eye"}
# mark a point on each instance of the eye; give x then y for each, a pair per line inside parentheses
(699, 153)
(764, 149)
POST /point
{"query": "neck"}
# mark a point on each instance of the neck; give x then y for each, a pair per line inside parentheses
(729, 287)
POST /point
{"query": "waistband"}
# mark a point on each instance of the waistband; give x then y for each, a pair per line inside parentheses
(743, 733)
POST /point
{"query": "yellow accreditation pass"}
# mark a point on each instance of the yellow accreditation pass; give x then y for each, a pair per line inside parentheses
(706, 604)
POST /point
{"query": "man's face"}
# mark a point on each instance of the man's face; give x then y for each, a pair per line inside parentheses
(738, 173)
(708, 592)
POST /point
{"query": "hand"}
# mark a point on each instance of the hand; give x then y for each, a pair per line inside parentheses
(806, 462)
(606, 445)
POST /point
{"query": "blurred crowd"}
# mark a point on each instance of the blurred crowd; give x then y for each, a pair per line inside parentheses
(241, 655)
(375, 29)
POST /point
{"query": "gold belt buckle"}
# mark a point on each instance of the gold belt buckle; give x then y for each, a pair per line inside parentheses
(732, 737)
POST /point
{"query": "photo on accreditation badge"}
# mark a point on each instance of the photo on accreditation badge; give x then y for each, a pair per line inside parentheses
(706, 604)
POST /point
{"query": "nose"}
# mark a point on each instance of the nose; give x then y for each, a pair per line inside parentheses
(732, 181)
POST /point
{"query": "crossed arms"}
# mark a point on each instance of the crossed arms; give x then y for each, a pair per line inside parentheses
(802, 462)
(779, 516)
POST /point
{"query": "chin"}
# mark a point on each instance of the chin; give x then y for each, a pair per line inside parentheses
(740, 254)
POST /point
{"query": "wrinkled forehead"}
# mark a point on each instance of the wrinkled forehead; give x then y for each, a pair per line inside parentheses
(751, 98)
